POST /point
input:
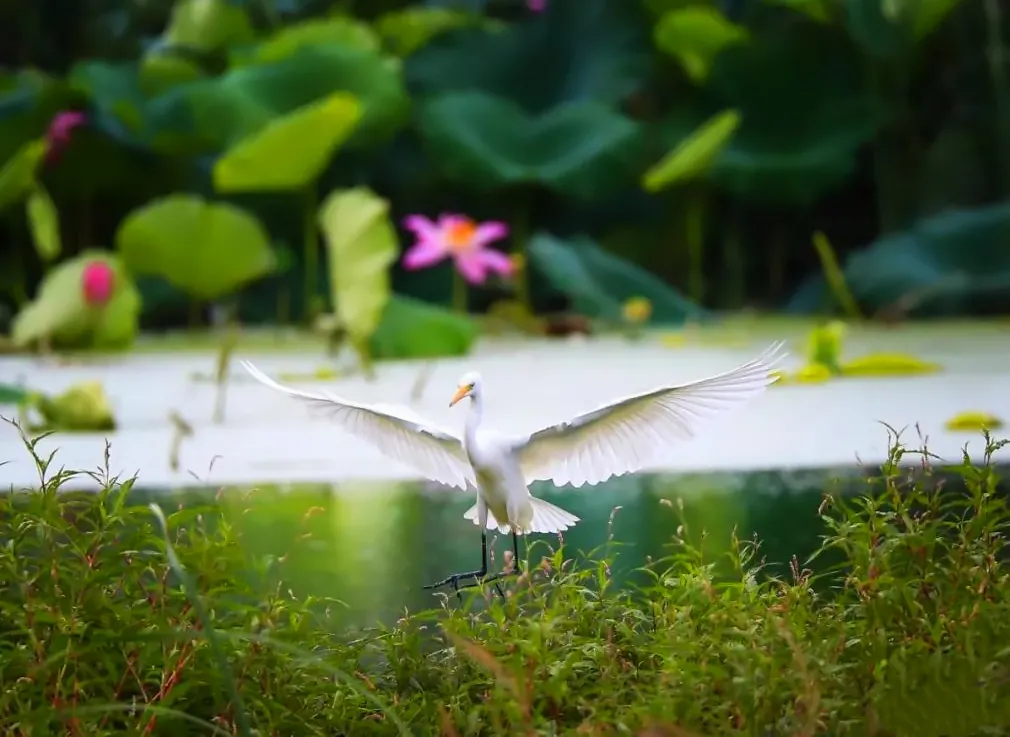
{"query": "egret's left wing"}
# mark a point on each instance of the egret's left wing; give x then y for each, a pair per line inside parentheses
(624, 436)
(396, 432)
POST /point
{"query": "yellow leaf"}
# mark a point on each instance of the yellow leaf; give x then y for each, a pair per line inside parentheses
(362, 245)
(888, 364)
(973, 421)
(695, 154)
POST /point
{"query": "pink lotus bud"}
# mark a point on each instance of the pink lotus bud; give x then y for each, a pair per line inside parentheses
(98, 281)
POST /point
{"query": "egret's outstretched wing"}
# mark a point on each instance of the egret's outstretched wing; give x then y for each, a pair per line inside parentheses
(437, 454)
(624, 436)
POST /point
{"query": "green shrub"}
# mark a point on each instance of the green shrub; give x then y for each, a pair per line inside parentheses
(114, 619)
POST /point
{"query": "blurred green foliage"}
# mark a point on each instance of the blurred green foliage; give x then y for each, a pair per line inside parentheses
(652, 146)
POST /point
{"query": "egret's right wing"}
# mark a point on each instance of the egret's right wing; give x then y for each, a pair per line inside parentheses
(437, 454)
(622, 437)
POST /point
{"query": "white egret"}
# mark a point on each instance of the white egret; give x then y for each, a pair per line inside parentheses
(616, 439)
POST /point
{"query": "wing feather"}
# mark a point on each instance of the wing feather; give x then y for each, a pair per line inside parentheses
(624, 436)
(396, 432)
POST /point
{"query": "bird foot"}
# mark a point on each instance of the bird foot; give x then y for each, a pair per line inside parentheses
(478, 579)
(454, 580)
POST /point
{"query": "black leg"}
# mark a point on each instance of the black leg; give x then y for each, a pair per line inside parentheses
(477, 575)
(495, 577)
(480, 576)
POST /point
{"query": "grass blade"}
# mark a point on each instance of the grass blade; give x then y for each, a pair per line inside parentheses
(241, 717)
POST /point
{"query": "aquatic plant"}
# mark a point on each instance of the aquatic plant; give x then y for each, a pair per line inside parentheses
(824, 357)
(205, 249)
(888, 364)
(636, 312)
(116, 617)
(88, 301)
(98, 281)
(974, 421)
(466, 242)
(83, 407)
(60, 133)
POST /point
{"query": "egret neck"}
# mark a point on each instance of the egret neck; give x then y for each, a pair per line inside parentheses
(473, 418)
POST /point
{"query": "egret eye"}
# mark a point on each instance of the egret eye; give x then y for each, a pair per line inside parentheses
(470, 386)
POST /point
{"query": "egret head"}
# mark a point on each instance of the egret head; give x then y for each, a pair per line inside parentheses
(469, 386)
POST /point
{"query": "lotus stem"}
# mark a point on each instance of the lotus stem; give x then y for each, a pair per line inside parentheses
(834, 275)
(84, 224)
(1001, 91)
(310, 255)
(180, 431)
(520, 241)
(889, 84)
(229, 338)
(459, 296)
(733, 258)
(694, 226)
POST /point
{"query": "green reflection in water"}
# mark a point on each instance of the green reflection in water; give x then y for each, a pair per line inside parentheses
(373, 545)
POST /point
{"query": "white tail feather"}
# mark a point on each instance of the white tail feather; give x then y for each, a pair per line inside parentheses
(547, 518)
(492, 523)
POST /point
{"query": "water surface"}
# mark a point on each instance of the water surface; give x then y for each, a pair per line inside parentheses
(374, 545)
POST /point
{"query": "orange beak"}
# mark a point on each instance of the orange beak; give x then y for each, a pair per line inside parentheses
(462, 392)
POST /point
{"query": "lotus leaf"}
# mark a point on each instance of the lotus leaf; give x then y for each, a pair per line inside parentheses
(60, 313)
(696, 35)
(974, 421)
(122, 111)
(28, 100)
(926, 15)
(935, 268)
(953, 170)
(208, 25)
(289, 152)
(599, 283)
(893, 27)
(237, 104)
(888, 364)
(341, 31)
(411, 328)
(576, 50)
(17, 177)
(877, 28)
(83, 407)
(580, 149)
(694, 155)
(812, 373)
(818, 10)
(659, 8)
(161, 72)
(362, 245)
(207, 250)
(790, 148)
(44, 223)
(405, 31)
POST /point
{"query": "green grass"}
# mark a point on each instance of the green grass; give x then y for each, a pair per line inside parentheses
(117, 618)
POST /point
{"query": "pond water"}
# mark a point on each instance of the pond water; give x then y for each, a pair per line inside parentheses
(374, 545)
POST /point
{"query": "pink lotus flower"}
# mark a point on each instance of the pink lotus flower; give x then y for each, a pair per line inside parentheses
(61, 129)
(537, 6)
(97, 282)
(461, 238)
